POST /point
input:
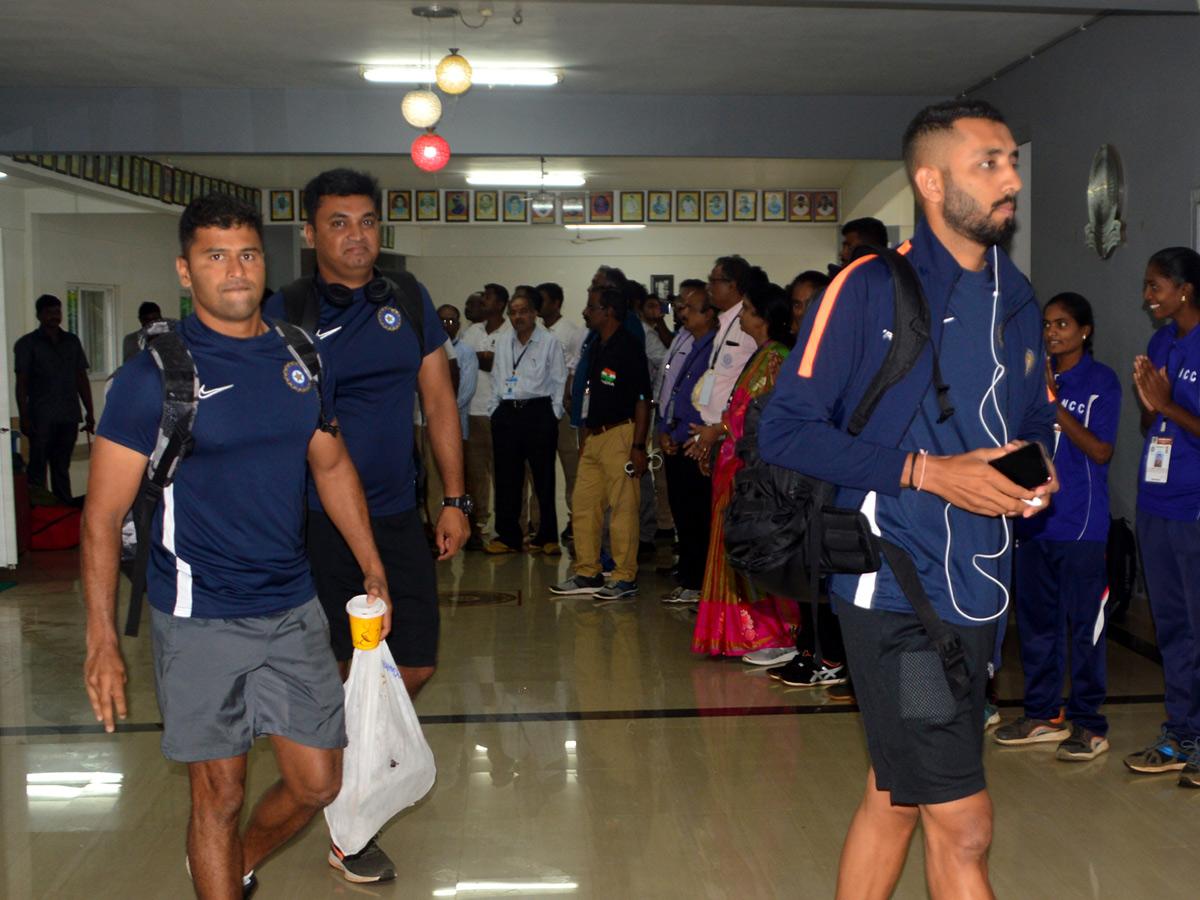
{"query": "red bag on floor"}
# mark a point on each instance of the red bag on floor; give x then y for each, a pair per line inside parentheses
(54, 528)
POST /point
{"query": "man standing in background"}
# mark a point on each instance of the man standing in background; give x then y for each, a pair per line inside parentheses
(51, 381)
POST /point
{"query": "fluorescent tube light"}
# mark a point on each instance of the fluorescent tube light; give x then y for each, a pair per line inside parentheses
(488, 76)
(527, 178)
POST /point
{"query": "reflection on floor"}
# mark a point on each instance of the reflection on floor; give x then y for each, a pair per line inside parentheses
(583, 752)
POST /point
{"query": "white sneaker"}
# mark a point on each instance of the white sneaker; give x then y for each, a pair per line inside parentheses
(770, 656)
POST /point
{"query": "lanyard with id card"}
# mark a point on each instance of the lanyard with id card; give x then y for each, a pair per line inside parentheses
(510, 383)
(1158, 459)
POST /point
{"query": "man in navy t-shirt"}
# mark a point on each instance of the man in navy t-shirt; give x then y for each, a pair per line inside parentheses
(240, 643)
(377, 354)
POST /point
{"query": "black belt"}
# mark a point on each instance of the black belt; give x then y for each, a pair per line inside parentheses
(518, 404)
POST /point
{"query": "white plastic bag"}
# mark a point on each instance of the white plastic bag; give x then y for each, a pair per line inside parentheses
(388, 765)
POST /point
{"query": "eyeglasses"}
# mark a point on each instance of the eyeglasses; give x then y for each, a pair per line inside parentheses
(712, 280)
(450, 321)
(590, 308)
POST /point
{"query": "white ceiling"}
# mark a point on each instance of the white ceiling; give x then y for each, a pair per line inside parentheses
(785, 47)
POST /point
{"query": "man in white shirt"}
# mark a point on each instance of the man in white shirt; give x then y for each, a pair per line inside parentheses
(727, 287)
(529, 376)
(570, 335)
(481, 337)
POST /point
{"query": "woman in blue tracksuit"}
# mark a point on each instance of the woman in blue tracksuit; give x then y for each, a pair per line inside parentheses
(1168, 503)
(1061, 585)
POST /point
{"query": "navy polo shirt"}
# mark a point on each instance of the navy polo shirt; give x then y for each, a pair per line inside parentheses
(1091, 392)
(226, 541)
(375, 352)
(1179, 496)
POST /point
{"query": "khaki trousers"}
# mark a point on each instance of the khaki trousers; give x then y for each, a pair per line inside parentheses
(479, 471)
(602, 485)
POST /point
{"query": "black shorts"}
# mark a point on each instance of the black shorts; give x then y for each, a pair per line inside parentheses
(412, 584)
(925, 746)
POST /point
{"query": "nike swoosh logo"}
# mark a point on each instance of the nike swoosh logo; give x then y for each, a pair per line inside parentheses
(205, 393)
(325, 334)
(948, 319)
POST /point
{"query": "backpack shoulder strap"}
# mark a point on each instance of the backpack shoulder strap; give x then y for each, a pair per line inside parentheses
(910, 334)
(302, 304)
(180, 391)
(304, 352)
(407, 294)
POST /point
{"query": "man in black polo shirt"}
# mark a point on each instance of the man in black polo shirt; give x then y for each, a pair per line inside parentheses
(51, 380)
(616, 417)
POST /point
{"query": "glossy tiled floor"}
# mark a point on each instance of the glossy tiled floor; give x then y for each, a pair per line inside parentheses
(582, 753)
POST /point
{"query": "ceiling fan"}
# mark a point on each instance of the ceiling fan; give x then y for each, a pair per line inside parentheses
(580, 239)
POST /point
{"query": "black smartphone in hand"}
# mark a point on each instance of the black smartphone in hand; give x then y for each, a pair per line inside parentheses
(1025, 466)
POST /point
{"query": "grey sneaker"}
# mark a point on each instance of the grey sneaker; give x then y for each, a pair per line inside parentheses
(1167, 754)
(615, 590)
(1025, 730)
(770, 656)
(580, 584)
(249, 882)
(682, 595)
(1190, 776)
(368, 865)
(1081, 746)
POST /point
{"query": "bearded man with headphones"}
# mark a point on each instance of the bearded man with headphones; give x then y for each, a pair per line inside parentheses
(921, 476)
(384, 338)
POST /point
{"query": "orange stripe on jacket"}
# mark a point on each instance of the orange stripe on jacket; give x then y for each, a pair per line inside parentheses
(826, 310)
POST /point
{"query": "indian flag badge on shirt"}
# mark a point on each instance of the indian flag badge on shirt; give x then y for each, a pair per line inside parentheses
(608, 376)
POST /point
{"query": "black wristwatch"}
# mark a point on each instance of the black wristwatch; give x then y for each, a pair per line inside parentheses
(641, 447)
(465, 503)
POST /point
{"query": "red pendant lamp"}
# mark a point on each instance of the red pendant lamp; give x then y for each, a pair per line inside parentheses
(430, 152)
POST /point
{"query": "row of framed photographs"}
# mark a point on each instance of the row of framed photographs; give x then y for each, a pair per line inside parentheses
(141, 176)
(594, 207)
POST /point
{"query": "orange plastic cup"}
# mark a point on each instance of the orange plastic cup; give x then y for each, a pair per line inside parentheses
(366, 622)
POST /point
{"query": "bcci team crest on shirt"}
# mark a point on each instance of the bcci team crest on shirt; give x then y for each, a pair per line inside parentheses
(296, 377)
(389, 317)
(1030, 359)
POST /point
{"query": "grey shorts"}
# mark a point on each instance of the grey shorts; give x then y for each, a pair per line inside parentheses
(221, 683)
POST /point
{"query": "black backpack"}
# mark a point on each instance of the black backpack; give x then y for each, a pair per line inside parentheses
(1121, 560)
(180, 385)
(780, 527)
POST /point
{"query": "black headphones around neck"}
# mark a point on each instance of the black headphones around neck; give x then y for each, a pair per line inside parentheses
(377, 290)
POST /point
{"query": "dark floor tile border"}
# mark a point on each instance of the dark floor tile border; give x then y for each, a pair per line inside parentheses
(603, 715)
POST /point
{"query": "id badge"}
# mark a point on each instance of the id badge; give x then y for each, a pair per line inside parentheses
(510, 388)
(1158, 460)
(587, 402)
(670, 413)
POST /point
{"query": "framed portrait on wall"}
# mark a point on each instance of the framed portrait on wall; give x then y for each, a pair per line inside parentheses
(716, 206)
(658, 206)
(114, 171)
(282, 206)
(399, 206)
(168, 185)
(662, 286)
(825, 206)
(774, 206)
(745, 206)
(487, 206)
(572, 209)
(458, 206)
(687, 206)
(516, 209)
(799, 206)
(633, 206)
(600, 209)
(429, 207)
(539, 216)
(156, 174)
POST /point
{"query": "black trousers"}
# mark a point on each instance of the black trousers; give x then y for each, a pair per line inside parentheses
(524, 433)
(53, 443)
(690, 496)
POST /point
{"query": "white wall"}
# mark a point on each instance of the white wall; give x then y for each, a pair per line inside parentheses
(457, 260)
(134, 252)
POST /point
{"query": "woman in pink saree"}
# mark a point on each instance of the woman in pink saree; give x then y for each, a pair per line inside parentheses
(731, 622)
